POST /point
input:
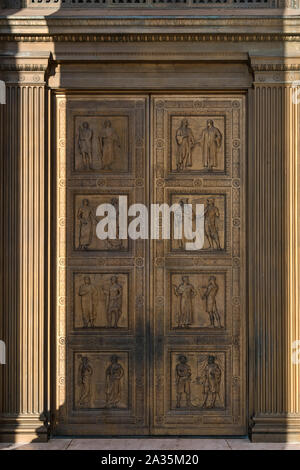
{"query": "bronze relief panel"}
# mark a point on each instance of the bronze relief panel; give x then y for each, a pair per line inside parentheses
(215, 236)
(101, 143)
(199, 296)
(198, 381)
(101, 284)
(198, 300)
(148, 330)
(105, 136)
(197, 143)
(101, 380)
(85, 223)
(101, 300)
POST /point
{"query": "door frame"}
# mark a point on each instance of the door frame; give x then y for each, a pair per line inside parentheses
(52, 221)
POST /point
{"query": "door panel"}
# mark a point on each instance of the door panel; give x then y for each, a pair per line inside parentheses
(101, 284)
(150, 336)
(198, 297)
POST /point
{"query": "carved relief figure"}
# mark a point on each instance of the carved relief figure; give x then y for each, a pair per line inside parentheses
(211, 215)
(211, 379)
(183, 381)
(89, 297)
(209, 296)
(85, 373)
(211, 139)
(85, 136)
(115, 244)
(186, 292)
(185, 143)
(114, 374)
(109, 145)
(113, 303)
(86, 219)
(179, 218)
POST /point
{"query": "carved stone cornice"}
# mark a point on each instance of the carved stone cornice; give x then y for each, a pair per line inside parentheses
(27, 68)
(143, 5)
(150, 38)
(95, 20)
(11, 67)
(148, 27)
(276, 67)
(118, 26)
(275, 70)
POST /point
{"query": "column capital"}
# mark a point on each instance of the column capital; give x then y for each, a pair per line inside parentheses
(275, 70)
(25, 68)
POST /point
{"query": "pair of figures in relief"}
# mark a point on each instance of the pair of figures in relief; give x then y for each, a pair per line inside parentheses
(113, 382)
(108, 144)
(89, 295)
(210, 379)
(210, 140)
(211, 217)
(186, 293)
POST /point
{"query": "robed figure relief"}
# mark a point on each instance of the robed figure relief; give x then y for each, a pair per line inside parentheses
(89, 297)
(85, 137)
(113, 302)
(187, 218)
(211, 140)
(85, 372)
(117, 243)
(113, 374)
(86, 219)
(186, 292)
(209, 296)
(183, 377)
(109, 145)
(185, 143)
(211, 380)
(211, 216)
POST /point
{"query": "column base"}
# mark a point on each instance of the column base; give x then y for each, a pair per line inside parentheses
(23, 429)
(275, 429)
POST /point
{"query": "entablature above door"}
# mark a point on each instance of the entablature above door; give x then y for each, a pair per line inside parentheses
(151, 76)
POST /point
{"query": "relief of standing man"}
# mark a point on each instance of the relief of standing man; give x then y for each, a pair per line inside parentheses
(185, 143)
(211, 139)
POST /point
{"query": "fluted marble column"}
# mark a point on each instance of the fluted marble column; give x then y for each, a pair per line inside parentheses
(274, 258)
(23, 412)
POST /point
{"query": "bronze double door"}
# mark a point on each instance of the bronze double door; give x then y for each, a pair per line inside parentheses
(151, 337)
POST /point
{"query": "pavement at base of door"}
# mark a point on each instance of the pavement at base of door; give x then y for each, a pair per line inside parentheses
(150, 444)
